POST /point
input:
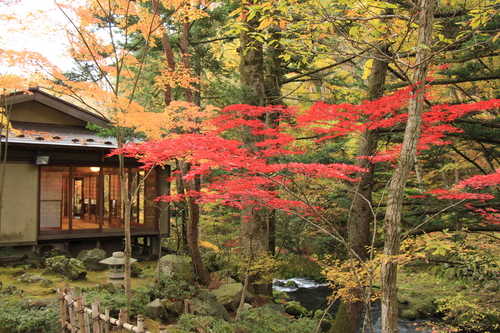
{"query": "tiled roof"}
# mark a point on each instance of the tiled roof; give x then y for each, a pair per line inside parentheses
(56, 135)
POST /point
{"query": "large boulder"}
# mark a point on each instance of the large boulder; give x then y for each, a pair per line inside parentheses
(174, 265)
(229, 295)
(73, 269)
(157, 310)
(206, 304)
(174, 308)
(91, 258)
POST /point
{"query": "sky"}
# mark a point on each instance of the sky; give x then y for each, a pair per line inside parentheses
(45, 38)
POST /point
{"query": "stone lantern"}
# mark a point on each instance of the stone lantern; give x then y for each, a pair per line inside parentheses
(116, 272)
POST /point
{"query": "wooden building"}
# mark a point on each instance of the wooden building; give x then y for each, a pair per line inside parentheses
(61, 190)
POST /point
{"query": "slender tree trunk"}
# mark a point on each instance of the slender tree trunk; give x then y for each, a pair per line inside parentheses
(358, 229)
(395, 190)
(127, 204)
(184, 211)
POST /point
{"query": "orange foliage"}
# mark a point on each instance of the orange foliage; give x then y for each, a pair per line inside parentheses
(178, 117)
(102, 45)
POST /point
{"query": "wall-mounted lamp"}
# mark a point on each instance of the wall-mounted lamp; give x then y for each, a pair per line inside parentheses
(95, 169)
(42, 160)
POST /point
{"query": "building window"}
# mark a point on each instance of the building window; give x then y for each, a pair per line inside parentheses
(80, 198)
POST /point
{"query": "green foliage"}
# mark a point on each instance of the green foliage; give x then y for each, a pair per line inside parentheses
(167, 287)
(115, 300)
(293, 265)
(255, 320)
(468, 311)
(17, 316)
(191, 323)
(102, 132)
(464, 305)
(5, 251)
(263, 265)
(266, 320)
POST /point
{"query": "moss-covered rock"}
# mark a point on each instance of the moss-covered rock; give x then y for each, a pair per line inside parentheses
(32, 259)
(229, 295)
(174, 265)
(157, 310)
(73, 269)
(326, 320)
(56, 253)
(206, 304)
(294, 308)
(175, 308)
(91, 258)
(34, 278)
(291, 284)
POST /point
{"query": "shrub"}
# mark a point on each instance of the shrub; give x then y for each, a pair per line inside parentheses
(171, 287)
(470, 312)
(265, 320)
(115, 300)
(192, 323)
(17, 316)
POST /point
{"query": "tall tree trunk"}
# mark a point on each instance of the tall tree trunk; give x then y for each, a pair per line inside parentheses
(395, 190)
(259, 223)
(194, 209)
(358, 229)
(252, 65)
(192, 227)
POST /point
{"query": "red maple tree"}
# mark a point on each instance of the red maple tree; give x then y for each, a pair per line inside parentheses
(244, 175)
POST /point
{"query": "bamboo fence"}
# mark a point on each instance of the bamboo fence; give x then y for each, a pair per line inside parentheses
(78, 317)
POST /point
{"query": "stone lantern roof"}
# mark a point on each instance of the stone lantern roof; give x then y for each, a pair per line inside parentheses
(118, 258)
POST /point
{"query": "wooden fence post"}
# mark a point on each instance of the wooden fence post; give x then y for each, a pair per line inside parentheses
(86, 323)
(120, 322)
(64, 311)
(81, 315)
(106, 315)
(72, 313)
(96, 310)
(140, 324)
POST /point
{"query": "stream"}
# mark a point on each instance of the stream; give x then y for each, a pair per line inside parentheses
(311, 294)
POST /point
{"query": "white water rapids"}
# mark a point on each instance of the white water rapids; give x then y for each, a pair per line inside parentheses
(311, 294)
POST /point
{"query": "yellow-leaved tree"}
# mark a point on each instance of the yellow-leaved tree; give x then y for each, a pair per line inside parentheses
(110, 43)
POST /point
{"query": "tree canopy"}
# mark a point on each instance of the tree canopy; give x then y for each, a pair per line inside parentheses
(318, 110)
